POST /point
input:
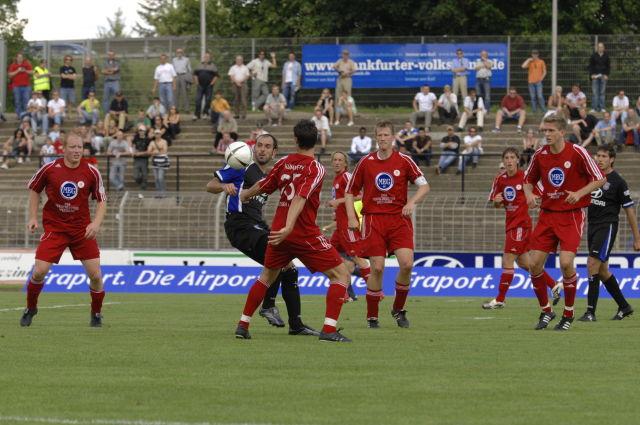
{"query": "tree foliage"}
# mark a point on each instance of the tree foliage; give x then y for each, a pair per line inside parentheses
(11, 28)
(116, 27)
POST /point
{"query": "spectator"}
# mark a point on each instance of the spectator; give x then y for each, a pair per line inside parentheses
(19, 74)
(158, 151)
(253, 136)
(291, 74)
(275, 106)
(97, 136)
(424, 105)
(605, 129)
(583, 129)
(346, 106)
(47, 152)
(537, 70)
(530, 144)
(89, 110)
(407, 132)
(556, 103)
(239, 74)
(360, 145)
(226, 124)
(160, 125)
(473, 108)
(68, 82)
(88, 154)
(450, 145)
(42, 79)
(156, 109)
(17, 146)
(58, 143)
(140, 146)
(345, 67)
(620, 107)
(259, 68)
(118, 111)
(205, 76)
(173, 122)
(637, 107)
(326, 104)
(629, 133)
(483, 78)
(459, 69)
(324, 131)
(54, 133)
(420, 147)
(575, 100)
(218, 105)
(141, 118)
(599, 69)
(182, 66)
(25, 126)
(56, 108)
(164, 81)
(221, 147)
(447, 106)
(118, 148)
(37, 110)
(511, 108)
(111, 72)
(90, 75)
(472, 150)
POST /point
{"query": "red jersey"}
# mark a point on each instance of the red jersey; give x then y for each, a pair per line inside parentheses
(340, 182)
(68, 191)
(569, 170)
(383, 183)
(21, 79)
(299, 175)
(515, 202)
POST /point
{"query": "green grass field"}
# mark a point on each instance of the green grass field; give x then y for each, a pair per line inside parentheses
(172, 359)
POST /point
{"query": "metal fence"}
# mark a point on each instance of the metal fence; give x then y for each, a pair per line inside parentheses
(461, 222)
(139, 57)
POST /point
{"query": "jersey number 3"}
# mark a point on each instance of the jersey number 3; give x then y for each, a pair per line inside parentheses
(289, 190)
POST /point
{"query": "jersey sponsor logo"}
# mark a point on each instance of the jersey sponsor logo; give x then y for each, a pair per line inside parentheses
(68, 190)
(509, 193)
(384, 181)
(596, 194)
(556, 176)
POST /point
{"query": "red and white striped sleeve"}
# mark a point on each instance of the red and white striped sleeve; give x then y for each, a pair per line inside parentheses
(494, 187)
(355, 182)
(269, 183)
(97, 191)
(413, 171)
(314, 176)
(589, 166)
(532, 174)
(39, 179)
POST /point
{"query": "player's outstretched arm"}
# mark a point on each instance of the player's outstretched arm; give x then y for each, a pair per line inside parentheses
(93, 228)
(216, 186)
(633, 223)
(297, 203)
(34, 203)
(573, 197)
(354, 223)
(423, 189)
(254, 190)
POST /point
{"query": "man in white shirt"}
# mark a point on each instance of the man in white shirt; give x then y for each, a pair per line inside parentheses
(259, 68)
(575, 100)
(322, 124)
(164, 80)
(37, 108)
(291, 76)
(424, 105)
(447, 106)
(239, 75)
(620, 107)
(360, 145)
(472, 150)
(275, 106)
(473, 107)
(56, 108)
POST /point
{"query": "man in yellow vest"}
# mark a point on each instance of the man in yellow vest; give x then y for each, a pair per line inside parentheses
(42, 79)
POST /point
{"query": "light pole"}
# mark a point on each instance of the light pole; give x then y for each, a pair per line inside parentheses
(203, 28)
(554, 45)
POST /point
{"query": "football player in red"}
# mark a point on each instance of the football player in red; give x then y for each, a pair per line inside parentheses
(383, 178)
(68, 182)
(568, 175)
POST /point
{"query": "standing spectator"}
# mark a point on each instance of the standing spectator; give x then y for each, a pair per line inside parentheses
(511, 108)
(530, 144)
(556, 103)
(42, 79)
(346, 106)
(605, 129)
(205, 76)
(158, 151)
(324, 131)
(226, 124)
(537, 70)
(118, 148)
(156, 109)
(173, 122)
(420, 147)
(291, 74)
(473, 108)
(424, 105)
(630, 132)
(68, 82)
(583, 129)
(326, 104)
(575, 100)
(259, 68)
(164, 80)
(56, 108)
(275, 106)
(483, 78)
(89, 110)
(37, 109)
(19, 74)
(459, 69)
(345, 67)
(90, 75)
(182, 67)
(111, 72)
(620, 107)
(239, 75)
(599, 69)
(118, 111)
(360, 145)
(450, 145)
(447, 106)
(472, 150)
(140, 146)
(218, 105)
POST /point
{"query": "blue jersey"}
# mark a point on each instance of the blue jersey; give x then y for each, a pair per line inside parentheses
(243, 179)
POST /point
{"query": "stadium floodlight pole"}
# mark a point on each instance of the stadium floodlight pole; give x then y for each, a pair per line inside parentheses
(554, 45)
(203, 30)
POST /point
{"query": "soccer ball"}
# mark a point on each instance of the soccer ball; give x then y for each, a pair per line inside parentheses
(238, 155)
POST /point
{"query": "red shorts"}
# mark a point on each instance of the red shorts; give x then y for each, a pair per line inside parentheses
(347, 241)
(53, 244)
(553, 227)
(317, 254)
(516, 241)
(382, 234)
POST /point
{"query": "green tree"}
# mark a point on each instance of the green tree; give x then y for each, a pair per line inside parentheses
(116, 27)
(181, 17)
(11, 28)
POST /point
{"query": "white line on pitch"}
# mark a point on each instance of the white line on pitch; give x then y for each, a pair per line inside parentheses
(64, 421)
(56, 306)
(483, 318)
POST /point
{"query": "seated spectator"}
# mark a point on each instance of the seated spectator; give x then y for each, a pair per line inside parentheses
(473, 108)
(530, 144)
(511, 108)
(88, 154)
(54, 133)
(275, 106)
(159, 124)
(119, 110)
(58, 144)
(346, 106)
(556, 102)
(218, 105)
(227, 124)
(575, 100)
(173, 123)
(156, 109)
(47, 152)
(37, 111)
(324, 131)
(360, 145)
(620, 107)
(141, 119)
(25, 126)
(605, 129)
(17, 146)
(424, 106)
(637, 107)
(420, 147)
(629, 134)
(56, 108)
(583, 128)
(405, 133)
(89, 110)
(223, 144)
(253, 137)
(450, 145)
(472, 150)
(447, 106)
(326, 104)
(118, 148)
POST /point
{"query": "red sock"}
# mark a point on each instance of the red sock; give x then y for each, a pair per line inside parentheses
(402, 291)
(505, 281)
(254, 299)
(540, 288)
(33, 291)
(548, 280)
(96, 301)
(373, 301)
(335, 298)
(364, 273)
(569, 294)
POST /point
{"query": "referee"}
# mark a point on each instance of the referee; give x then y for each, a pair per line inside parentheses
(248, 232)
(603, 226)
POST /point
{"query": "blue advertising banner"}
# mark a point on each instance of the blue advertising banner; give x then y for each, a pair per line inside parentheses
(399, 65)
(425, 281)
